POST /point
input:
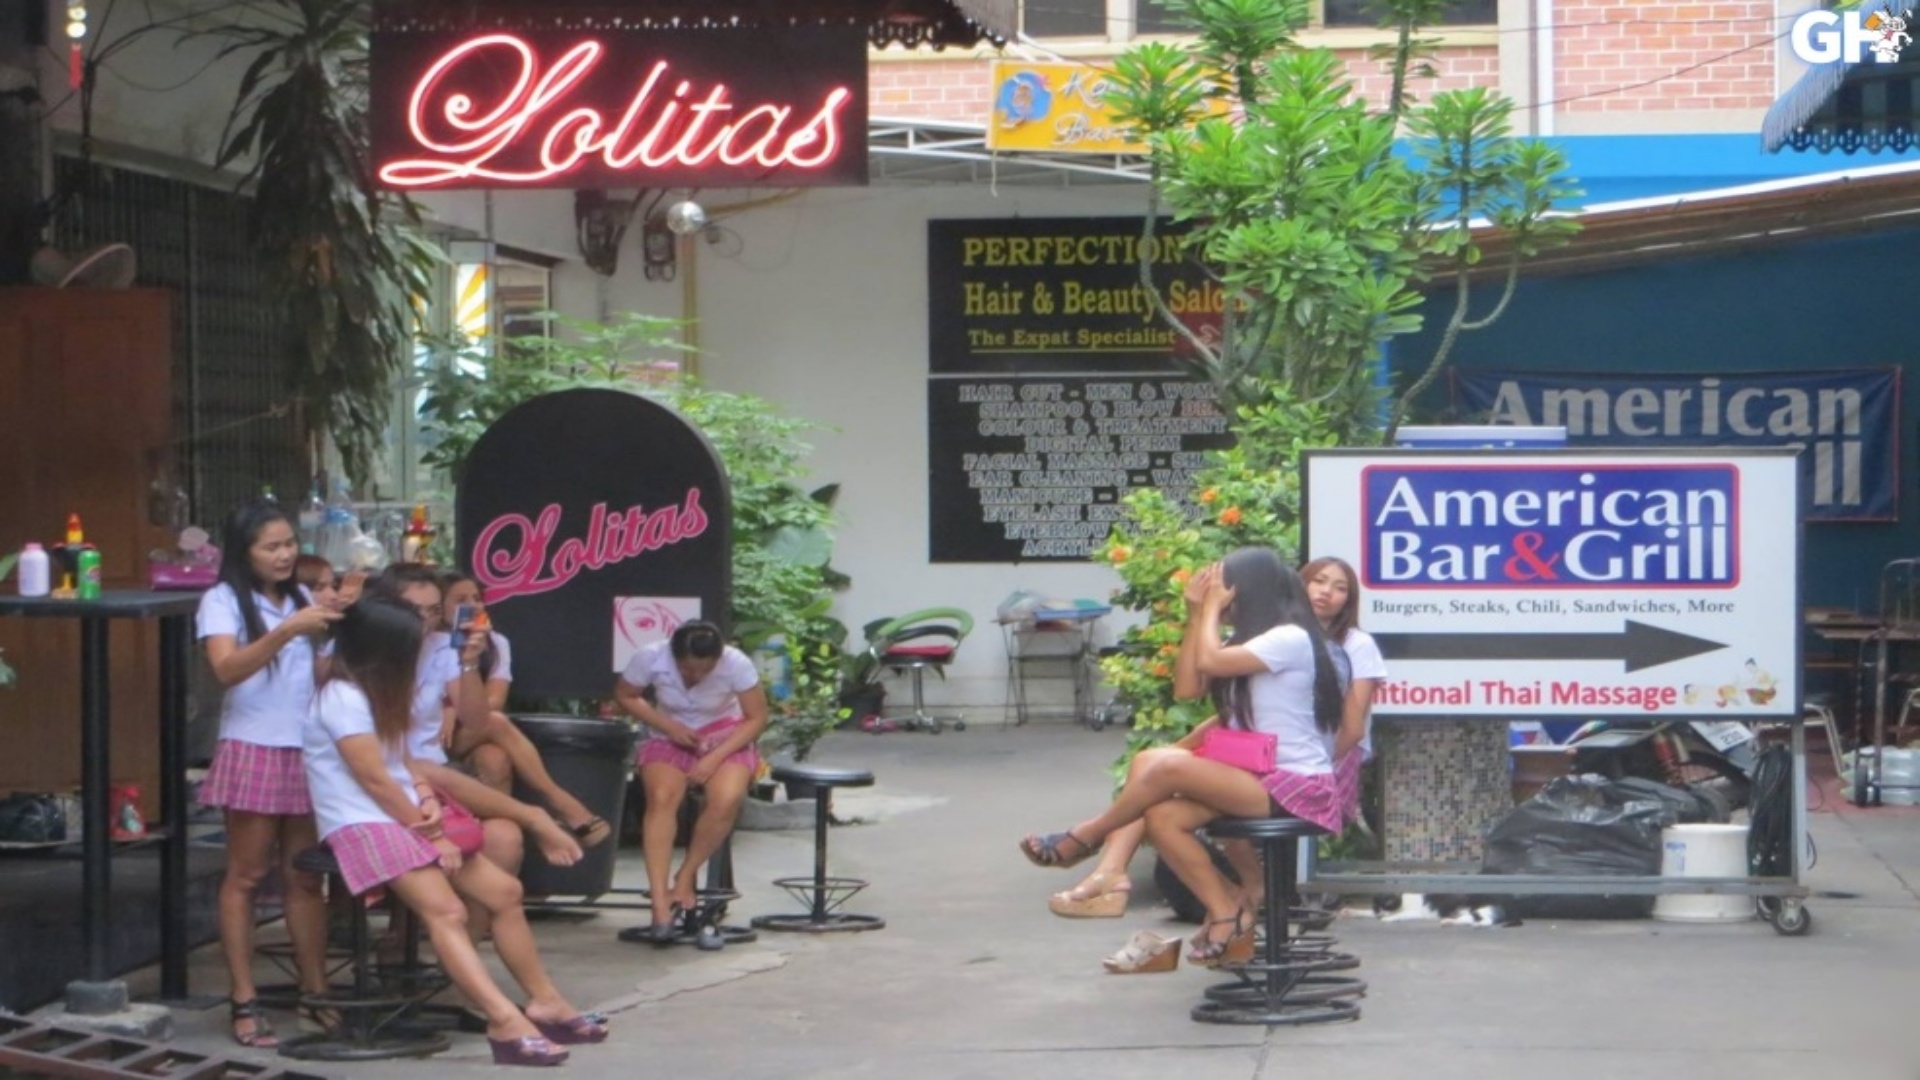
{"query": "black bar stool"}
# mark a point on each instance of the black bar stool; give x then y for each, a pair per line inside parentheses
(821, 894)
(1285, 983)
(373, 1013)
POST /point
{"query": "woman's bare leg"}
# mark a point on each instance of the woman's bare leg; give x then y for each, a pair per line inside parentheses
(1170, 827)
(250, 840)
(1223, 787)
(666, 790)
(431, 897)
(725, 792)
(515, 756)
(1117, 856)
(498, 893)
(306, 904)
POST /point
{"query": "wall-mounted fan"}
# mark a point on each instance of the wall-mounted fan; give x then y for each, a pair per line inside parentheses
(109, 266)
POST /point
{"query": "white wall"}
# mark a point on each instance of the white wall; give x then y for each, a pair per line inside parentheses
(819, 303)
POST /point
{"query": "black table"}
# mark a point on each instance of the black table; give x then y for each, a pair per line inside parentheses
(175, 610)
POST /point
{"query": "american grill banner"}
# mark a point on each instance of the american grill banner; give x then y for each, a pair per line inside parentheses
(1845, 424)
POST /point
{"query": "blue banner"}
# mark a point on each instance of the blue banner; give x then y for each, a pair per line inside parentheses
(1585, 526)
(1845, 423)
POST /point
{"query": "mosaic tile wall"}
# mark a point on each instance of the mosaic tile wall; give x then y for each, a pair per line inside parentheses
(1444, 784)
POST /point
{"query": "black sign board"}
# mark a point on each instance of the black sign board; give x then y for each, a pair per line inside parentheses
(1035, 468)
(1040, 295)
(619, 108)
(595, 521)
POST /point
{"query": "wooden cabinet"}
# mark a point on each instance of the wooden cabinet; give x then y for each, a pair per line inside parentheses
(86, 403)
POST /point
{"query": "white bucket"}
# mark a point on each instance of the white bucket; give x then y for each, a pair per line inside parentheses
(1703, 851)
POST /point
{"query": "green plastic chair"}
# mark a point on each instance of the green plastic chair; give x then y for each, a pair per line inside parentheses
(914, 643)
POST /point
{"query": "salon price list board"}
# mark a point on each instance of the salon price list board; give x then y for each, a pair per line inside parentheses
(1035, 469)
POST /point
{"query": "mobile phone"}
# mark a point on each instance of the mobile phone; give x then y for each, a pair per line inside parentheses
(462, 615)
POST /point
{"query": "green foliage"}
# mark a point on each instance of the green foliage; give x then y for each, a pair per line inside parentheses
(342, 261)
(1302, 200)
(1246, 495)
(782, 532)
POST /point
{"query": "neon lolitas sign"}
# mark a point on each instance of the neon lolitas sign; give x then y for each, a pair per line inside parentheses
(649, 108)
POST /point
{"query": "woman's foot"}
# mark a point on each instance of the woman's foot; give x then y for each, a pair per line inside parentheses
(592, 832)
(560, 1023)
(1227, 940)
(250, 1027)
(1102, 895)
(1059, 850)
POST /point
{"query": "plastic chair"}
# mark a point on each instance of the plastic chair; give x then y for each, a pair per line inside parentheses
(913, 643)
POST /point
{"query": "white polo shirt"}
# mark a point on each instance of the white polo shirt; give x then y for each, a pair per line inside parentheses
(715, 697)
(438, 667)
(270, 707)
(341, 710)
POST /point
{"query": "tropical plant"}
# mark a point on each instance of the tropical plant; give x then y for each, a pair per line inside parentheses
(343, 261)
(1317, 218)
(783, 580)
(1247, 494)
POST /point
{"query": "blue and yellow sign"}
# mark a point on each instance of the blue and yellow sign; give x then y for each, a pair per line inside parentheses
(1062, 108)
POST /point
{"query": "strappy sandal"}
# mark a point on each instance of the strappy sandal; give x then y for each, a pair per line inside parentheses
(1236, 949)
(260, 1035)
(1102, 896)
(1146, 953)
(584, 832)
(1045, 850)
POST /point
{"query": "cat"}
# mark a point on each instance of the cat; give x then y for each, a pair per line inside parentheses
(1450, 910)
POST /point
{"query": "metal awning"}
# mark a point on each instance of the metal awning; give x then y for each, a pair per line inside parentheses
(1613, 235)
(935, 23)
(913, 151)
(1846, 107)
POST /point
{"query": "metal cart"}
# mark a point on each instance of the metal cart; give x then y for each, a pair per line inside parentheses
(1055, 643)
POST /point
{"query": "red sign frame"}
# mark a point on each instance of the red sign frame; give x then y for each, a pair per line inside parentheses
(484, 108)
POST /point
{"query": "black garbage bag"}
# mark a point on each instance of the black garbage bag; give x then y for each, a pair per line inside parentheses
(32, 819)
(1589, 825)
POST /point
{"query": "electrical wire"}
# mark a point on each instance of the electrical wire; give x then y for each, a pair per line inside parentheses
(1770, 834)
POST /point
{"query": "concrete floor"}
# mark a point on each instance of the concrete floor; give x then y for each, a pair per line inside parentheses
(974, 978)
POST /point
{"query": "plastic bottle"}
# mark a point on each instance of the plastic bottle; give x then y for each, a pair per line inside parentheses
(313, 515)
(36, 571)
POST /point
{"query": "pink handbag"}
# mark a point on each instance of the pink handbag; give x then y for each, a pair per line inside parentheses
(1249, 750)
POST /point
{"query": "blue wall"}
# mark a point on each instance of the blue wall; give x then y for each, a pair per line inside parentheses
(1829, 304)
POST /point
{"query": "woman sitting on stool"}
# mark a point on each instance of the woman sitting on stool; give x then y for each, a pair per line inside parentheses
(708, 710)
(384, 825)
(1274, 676)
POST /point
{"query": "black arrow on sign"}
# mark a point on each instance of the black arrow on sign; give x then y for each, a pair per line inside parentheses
(1638, 645)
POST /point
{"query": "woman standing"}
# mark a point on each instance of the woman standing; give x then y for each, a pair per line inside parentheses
(259, 630)
(1274, 676)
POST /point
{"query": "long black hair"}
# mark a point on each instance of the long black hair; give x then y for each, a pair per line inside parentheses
(491, 657)
(1266, 594)
(376, 647)
(237, 537)
(697, 639)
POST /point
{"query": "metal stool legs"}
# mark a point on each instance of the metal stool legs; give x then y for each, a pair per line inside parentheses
(1283, 985)
(821, 894)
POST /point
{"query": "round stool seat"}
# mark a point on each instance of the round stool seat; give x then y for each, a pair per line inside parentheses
(1265, 828)
(317, 859)
(823, 776)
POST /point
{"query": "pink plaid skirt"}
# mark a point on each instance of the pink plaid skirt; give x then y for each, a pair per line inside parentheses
(1326, 799)
(662, 751)
(373, 854)
(257, 779)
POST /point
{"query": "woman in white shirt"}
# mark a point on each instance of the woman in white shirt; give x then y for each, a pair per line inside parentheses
(1333, 590)
(259, 630)
(1274, 676)
(383, 823)
(708, 711)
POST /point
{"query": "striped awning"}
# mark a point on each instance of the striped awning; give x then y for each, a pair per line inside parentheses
(1847, 107)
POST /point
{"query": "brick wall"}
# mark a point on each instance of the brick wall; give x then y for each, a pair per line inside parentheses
(1623, 55)
(958, 89)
